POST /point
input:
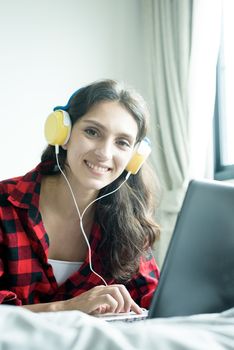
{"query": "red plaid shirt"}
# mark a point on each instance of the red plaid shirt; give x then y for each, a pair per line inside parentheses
(26, 277)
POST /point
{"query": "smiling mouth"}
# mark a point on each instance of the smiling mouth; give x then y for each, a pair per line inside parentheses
(96, 168)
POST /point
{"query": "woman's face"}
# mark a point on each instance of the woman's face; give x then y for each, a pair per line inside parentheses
(100, 146)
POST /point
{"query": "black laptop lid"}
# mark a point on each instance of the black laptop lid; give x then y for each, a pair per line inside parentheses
(198, 271)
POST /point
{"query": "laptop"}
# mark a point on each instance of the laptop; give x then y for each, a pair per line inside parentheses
(197, 275)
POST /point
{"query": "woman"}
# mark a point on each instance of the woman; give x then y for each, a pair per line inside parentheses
(60, 252)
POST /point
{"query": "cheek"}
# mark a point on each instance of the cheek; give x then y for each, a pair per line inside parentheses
(74, 153)
(77, 147)
(123, 161)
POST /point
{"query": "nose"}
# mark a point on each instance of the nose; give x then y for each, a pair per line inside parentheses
(104, 151)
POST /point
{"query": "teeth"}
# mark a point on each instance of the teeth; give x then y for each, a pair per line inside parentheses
(97, 168)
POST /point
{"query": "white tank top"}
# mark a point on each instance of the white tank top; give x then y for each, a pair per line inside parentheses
(64, 269)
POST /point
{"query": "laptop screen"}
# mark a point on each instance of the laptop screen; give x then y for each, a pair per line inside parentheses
(198, 271)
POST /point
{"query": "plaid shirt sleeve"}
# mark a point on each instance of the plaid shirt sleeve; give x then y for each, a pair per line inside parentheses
(142, 286)
(6, 296)
(17, 267)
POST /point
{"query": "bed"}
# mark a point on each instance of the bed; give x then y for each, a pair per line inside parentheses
(70, 330)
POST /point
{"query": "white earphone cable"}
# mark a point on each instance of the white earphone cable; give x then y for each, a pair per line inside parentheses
(81, 215)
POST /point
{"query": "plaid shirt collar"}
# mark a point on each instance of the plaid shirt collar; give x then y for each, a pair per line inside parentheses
(27, 190)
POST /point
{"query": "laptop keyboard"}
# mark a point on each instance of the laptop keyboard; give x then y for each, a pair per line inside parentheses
(123, 317)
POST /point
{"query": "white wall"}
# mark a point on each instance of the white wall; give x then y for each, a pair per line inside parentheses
(48, 49)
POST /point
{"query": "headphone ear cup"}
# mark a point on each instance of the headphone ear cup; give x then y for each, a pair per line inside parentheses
(139, 157)
(57, 128)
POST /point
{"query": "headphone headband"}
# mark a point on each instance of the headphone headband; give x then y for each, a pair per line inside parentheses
(65, 108)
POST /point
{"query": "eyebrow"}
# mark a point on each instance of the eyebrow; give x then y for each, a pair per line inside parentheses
(99, 125)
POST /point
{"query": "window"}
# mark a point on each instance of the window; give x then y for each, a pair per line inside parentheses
(224, 106)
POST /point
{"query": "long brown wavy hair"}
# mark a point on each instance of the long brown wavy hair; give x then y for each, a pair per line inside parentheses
(126, 217)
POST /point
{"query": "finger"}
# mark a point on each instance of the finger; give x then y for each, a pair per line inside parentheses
(136, 308)
(117, 294)
(100, 310)
(129, 303)
(107, 303)
(127, 300)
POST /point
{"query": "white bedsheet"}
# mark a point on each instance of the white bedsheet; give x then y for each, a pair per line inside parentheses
(70, 330)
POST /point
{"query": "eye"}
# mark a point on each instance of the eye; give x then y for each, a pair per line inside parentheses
(92, 132)
(124, 143)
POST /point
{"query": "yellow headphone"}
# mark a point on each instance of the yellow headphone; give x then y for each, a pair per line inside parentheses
(57, 128)
(57, 131)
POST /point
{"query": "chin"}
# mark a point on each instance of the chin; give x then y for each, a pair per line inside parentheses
(96, 185)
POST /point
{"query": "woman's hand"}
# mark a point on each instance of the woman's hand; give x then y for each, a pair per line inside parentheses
(102, 299)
